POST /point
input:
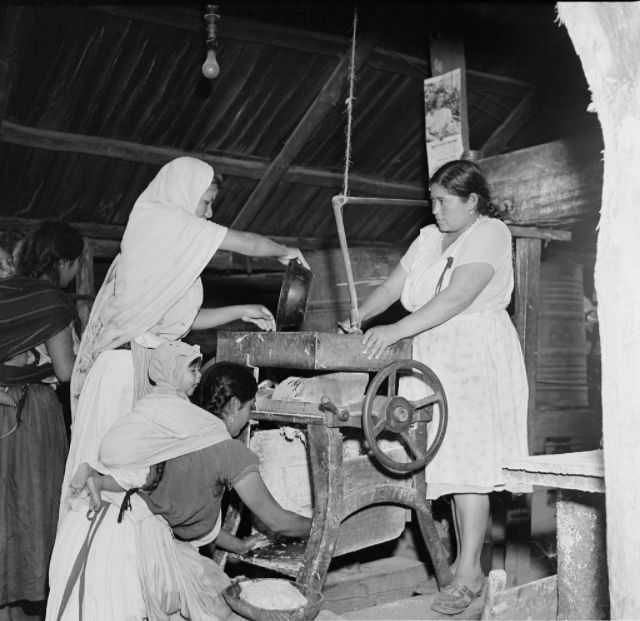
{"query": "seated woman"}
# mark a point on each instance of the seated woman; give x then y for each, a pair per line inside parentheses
(142, 560)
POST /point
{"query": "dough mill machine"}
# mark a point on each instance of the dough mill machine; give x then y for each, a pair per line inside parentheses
(341, 489)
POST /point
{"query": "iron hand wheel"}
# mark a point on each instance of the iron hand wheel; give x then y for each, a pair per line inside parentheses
(403, 417)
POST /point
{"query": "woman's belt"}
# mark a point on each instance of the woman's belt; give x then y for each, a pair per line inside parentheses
(14, 401)
(32, 373)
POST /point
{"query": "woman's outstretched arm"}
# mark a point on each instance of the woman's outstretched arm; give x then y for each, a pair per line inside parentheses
(255, 245)
(258, 314)
(255, 495)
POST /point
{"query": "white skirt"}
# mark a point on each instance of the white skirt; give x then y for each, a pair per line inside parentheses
(106, 395)
(478, 359)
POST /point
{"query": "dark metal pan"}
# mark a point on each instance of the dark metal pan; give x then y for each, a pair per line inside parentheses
(294, 295)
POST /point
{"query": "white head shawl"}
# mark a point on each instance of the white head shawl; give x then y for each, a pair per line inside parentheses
(164, 423)
(168, 362)
(153, 285)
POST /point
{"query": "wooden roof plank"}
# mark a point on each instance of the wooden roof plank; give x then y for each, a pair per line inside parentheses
(13, 18)
(328, 96)
(293, 38)
(500, 137)
(234, 28)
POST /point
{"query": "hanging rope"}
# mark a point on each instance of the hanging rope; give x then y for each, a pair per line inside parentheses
(349, 102)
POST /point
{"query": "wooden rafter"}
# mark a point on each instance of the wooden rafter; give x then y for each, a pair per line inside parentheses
(500, 137)
(328, 96)
(292, 38)
(249, 169)
(234, 28)
(112, 234)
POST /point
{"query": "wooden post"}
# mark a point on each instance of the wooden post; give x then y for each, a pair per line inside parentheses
(582, 564)
(607, 39)
(527, 293)
(85, 283)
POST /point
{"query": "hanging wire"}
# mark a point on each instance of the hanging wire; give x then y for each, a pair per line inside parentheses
(349, 102)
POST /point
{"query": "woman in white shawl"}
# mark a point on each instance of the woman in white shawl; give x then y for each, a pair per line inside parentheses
(152, 294)
(139, 557)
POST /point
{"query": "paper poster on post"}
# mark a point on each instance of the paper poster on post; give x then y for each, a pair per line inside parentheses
(443, 119)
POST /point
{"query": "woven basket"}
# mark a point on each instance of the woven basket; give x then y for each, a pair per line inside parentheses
(305, 613)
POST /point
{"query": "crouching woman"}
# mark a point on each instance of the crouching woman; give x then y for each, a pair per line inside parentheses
(176, 461)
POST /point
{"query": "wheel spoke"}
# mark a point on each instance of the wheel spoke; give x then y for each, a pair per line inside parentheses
(428, 400)
(379, 427)
(391, 385)
(418, 454)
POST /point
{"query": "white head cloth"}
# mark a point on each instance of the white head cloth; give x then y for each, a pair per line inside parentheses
(164, 423)
(152, 291)
(169, 361)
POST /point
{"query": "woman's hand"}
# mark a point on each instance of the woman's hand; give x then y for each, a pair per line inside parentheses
(377, 339)
(94, 485)
(346, 327)
(259, 315)
(291, 255)
(252, 542)
(86, 478)
(79, 479)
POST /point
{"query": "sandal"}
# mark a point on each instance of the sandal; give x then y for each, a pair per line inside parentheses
(455, 598)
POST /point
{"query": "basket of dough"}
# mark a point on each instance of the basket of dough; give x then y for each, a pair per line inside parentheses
(273, 599)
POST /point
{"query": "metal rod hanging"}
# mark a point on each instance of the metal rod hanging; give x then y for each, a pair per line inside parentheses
(389, 202)
(354, 316)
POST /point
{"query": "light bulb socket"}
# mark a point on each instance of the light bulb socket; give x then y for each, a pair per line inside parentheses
(211, 17)
(210, 68)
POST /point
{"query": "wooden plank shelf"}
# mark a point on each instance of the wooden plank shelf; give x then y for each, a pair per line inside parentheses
(582, 471)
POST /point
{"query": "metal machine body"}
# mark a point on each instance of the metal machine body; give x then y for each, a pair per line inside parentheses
(341, 488)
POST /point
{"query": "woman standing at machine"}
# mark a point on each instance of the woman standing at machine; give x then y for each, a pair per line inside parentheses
(456, 281)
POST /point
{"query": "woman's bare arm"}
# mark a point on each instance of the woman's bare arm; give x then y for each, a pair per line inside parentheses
(60, 348)
(258, 314)
(254, 245)
(255, 495)
(467, 281)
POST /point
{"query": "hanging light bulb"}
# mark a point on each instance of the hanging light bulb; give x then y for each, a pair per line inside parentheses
(210, 67)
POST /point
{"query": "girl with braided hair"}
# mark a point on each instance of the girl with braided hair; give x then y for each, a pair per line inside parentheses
(175, 460)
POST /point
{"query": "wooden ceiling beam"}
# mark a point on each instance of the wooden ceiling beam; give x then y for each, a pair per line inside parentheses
(104, 243)
(498, 140)
(37, 138)
(499, 78)
(327, 98)
(233, 28)
(314, 42)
